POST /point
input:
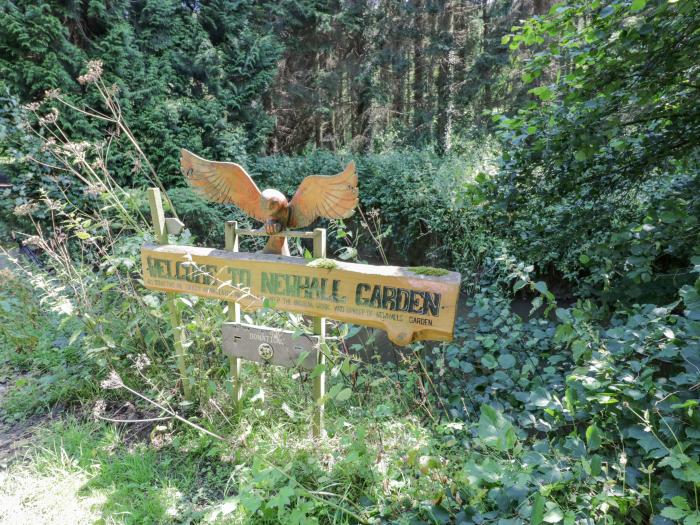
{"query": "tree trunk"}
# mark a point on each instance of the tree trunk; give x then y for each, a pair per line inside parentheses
(419, 74)
(445, 79)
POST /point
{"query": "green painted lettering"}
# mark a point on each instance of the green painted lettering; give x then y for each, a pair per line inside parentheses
(432, 303)
(335, 295)
(359, 290)
(269, 283)
(389, 298)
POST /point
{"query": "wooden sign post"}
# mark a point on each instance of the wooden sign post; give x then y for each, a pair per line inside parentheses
(231, 242)
(320, 331)
(234, 314)
(410, 304)
(161, 234)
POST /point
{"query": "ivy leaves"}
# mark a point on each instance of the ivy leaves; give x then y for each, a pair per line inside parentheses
(495, 430)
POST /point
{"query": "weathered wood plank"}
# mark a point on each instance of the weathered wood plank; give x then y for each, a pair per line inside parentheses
(234, 314)
(407, 305)
(161, 233)
(319, 390)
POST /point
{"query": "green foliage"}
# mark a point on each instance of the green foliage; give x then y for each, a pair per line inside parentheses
(600, 174)
(328, 264)
(429, 207)
(187, 75)
(581, 409)
(35, 342)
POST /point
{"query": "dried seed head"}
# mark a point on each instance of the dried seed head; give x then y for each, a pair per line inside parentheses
(112, 382)
(99, 408)
(52, 205)
(76, 150)
(142, 361)
(25, 209)
(51, 94)
(94, 190)
(93, 74)
(32, 106)
(32, 240)
(50, 118)
(49, 144)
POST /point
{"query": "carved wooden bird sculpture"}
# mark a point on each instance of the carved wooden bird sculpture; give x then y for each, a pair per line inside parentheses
(333, 197)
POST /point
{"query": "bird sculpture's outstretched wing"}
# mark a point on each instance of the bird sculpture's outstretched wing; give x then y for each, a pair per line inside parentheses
(223, 182)
(333, 197)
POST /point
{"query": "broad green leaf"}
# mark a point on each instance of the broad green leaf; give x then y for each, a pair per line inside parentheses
(542, 92)
(673, 513)
(489, 361)
(519, 284)
(578, 348)
(541, 287)
(250, 501)
(680, 502)
(692, 519)
(281, 499)
(344, 395)
(638, 5)
(495, 430)
(593, 437)
(537, 510)
(553, 516)
(506, 361)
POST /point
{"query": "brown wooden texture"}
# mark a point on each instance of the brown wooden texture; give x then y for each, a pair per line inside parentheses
(269, 345)
(407, 305)
(319, 381)
(234, 314)
(161, 233)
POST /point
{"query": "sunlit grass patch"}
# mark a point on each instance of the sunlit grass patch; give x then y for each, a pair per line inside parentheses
(30, 497)
(268, 470)
(47, 487)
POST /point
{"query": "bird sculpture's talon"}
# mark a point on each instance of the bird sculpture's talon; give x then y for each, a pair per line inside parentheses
(272, 227)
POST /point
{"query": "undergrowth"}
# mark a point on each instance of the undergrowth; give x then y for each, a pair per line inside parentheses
(583, 414)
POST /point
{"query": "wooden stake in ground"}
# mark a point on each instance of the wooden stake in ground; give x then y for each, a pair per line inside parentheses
(320, 330)
(234, 314)
(158, 217)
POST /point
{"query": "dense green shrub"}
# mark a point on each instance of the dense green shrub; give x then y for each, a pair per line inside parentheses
(429, 206)
(606, 159)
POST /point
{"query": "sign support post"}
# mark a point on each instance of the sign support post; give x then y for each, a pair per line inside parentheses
(159, 226)
(231, 240)
(319, 385)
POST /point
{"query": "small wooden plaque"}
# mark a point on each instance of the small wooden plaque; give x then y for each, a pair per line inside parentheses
(269, 345)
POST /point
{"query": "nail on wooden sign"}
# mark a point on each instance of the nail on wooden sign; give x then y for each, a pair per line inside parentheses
(409, 306)
(269, 345)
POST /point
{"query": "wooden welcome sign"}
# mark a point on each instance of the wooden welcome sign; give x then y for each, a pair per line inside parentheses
(407, 305)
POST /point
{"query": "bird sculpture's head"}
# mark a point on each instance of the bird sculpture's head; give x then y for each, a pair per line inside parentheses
(273, 201)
